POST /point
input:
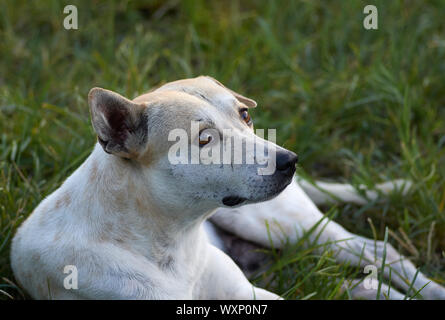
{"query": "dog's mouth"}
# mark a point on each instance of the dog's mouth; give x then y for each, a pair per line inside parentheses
(231, 201)
(234, 200)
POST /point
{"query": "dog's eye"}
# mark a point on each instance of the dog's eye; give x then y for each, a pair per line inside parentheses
(204, 139)
(245, 116)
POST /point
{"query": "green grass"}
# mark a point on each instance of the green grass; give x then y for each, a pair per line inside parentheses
(356, 105)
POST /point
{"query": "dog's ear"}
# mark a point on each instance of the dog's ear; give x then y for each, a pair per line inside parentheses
(120, 124)
(247, 101)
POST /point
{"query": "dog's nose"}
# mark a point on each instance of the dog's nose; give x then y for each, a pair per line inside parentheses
(286, 162)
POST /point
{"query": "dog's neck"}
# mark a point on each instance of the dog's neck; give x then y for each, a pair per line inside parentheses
(120, 207)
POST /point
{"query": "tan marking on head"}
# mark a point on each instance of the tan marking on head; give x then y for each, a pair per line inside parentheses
(249, 103)
(174, 104)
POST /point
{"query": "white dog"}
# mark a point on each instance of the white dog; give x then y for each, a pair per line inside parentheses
(132, 223)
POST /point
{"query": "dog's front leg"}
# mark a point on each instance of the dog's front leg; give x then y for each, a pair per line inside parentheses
(402, 272)
(289, 215)
(331, 193)
(222, 279)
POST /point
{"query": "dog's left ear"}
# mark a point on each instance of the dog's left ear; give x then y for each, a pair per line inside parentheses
(120, 124)
(247, 101)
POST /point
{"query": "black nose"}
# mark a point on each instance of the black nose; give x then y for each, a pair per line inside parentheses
(286, 162)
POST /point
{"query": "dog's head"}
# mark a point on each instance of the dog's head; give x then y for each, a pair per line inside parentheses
(195, 143)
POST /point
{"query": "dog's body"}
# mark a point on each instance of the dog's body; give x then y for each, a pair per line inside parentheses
(132, 224)
(118, 254)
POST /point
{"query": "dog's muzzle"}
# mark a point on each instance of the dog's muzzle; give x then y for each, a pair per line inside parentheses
(285, 169)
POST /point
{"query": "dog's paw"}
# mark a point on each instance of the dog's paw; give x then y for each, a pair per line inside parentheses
(362, 289)
(399, 185)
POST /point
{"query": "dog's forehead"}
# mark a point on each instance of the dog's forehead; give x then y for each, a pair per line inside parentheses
(205, 89)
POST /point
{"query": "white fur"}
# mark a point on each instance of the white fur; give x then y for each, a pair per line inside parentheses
(132, 223)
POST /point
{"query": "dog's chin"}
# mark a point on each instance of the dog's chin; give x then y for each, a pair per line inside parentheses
(236, 200)
(272, 195)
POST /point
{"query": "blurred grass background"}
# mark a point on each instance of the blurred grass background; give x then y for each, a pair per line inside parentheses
(356, 105)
